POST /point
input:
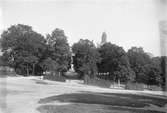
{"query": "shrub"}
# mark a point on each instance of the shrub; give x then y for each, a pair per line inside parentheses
(99, 82)
(155, 88)
(134, 86)
(163, 87)
(54, 77)
(141, 86)
(3, 72)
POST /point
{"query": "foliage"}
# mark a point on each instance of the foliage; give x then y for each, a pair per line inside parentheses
(115, 61)
(163, 65)
(137, 56)
(142, 86)
(4, 59)
(55, 78)
(28, 52)
(58, 52)
(147, 70)
(86, 57)
(48, 64)
(153, 74)
(138, 59)
(99, 82)
(134, 86)
(155, 88)
(22, 48)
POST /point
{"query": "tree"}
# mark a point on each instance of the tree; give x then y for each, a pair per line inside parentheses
(137, 56)
(147, 69)
(156, 72)
(31, 60)
(86, 58)
(49, 64)
(115, 61)
(163, 64)
(58, 51)
(22, 48)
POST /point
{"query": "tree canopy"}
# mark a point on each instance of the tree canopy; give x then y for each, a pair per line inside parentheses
(147, 69)
(86, 57)
(58, 53)
(115, 61)
(28, 52)
(22, 47)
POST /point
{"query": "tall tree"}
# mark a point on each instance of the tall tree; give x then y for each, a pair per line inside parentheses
(115, 61)
(164, 71)
(147, 70)
(86, 57)
(22, 47)
(58, 51)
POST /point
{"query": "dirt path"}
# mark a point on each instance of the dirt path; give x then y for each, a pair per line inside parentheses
(21, 94)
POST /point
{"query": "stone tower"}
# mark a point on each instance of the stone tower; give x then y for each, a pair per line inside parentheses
(103, 38)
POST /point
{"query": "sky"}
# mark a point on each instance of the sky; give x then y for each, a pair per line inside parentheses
(127, 22)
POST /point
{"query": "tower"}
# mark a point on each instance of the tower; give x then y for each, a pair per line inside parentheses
(103, 38)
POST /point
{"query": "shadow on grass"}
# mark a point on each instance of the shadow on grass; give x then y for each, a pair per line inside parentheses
(155, 100)
(129, 100)
(103, 101)
(85, 108)
(39, 82)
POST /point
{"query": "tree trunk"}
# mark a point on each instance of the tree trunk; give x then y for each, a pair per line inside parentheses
(86, 77)
(33, 69)
(114, 82)
(52, 73)
(118, 82)
(27, 70)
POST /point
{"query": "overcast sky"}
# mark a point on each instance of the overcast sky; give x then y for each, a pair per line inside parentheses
(126, 22)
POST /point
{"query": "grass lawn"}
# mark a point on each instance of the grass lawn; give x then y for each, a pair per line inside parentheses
(89, 102)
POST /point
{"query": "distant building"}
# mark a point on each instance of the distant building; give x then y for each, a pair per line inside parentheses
(103, 39)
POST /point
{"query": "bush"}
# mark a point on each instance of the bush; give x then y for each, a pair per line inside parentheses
(163, 87)
(3, 72)
(155, 88)
(99, 82)
(141, 86)
(54, 77)
(134, 86)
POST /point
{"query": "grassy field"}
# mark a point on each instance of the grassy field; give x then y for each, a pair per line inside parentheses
(88, 102)
(33, 95)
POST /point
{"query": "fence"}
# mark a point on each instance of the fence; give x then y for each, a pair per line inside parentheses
(105, 76)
